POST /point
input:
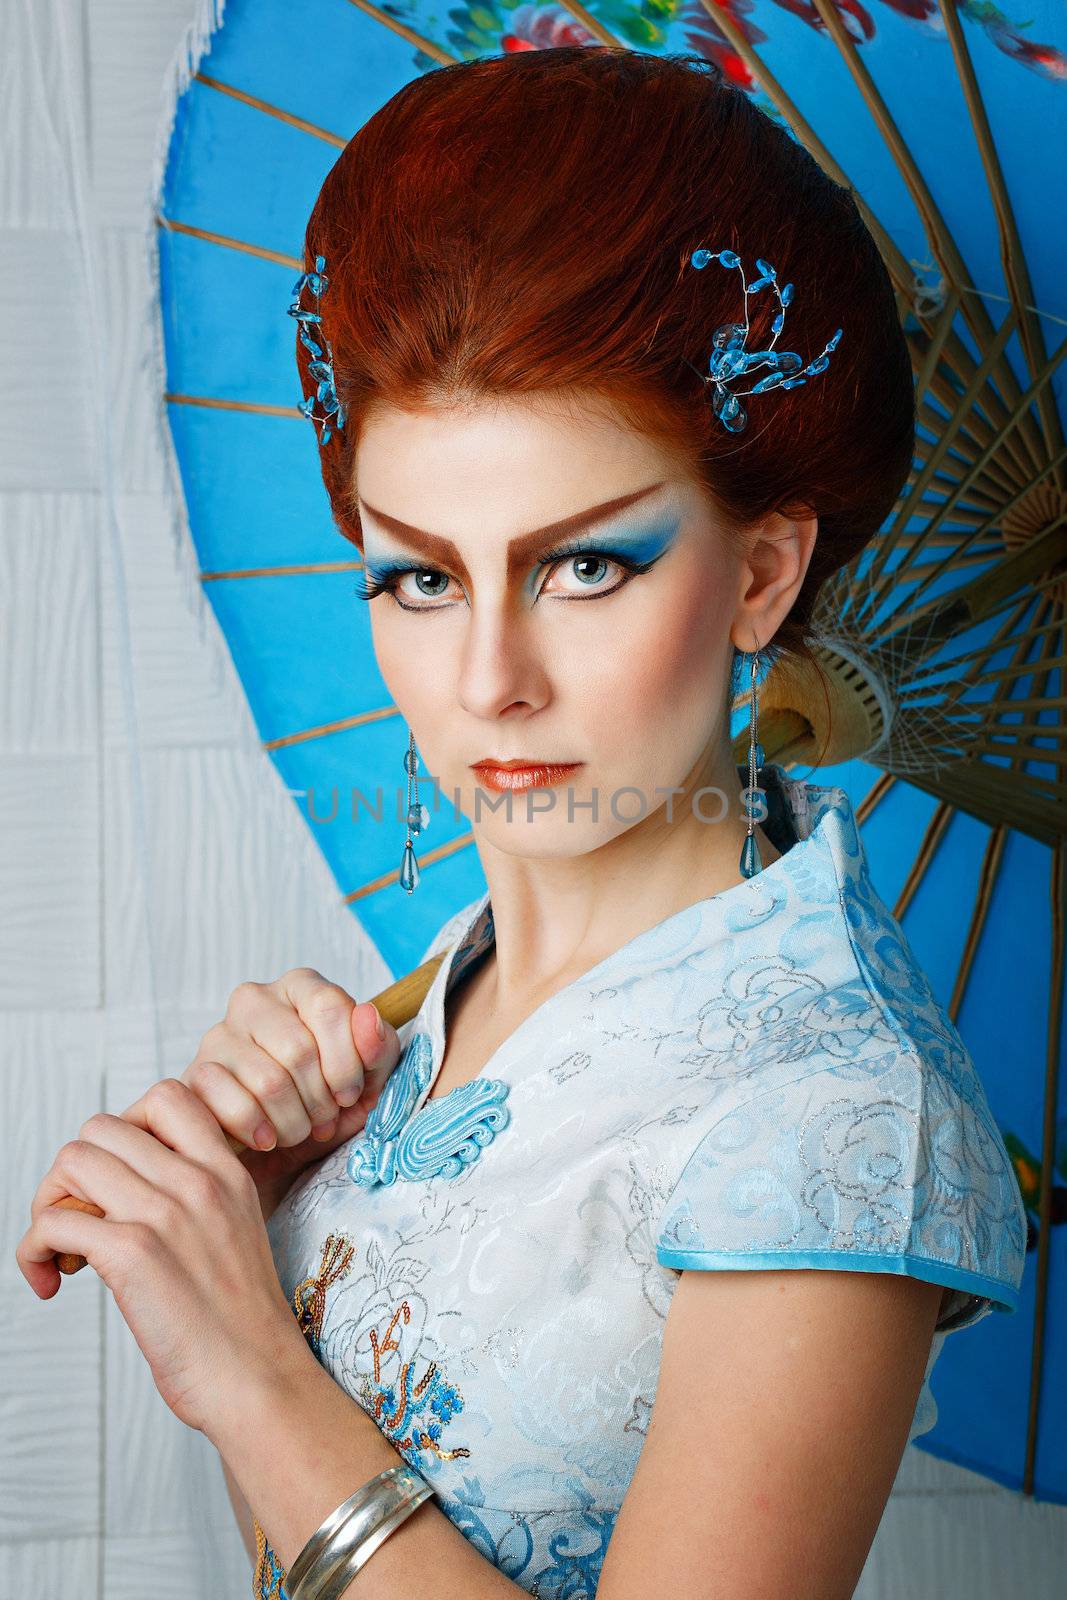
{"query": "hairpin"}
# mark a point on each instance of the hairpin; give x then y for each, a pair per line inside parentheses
(321, 365)
(730, 359)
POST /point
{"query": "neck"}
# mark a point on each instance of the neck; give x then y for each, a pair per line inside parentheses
(555, 918)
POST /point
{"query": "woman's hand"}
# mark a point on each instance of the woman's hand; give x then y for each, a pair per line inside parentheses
(182, 1246)
(292, 1071)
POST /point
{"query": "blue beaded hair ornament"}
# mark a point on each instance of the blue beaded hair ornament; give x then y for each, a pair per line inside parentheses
(729, 358)
(320, 367)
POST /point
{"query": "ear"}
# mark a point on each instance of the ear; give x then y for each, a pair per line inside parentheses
(773, 569)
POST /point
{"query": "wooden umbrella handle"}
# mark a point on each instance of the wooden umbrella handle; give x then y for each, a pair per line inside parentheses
(397, 1004)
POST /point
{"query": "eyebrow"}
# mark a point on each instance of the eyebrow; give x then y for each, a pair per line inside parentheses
(522, 546)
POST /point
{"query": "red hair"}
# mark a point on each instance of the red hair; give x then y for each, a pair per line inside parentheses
(523, 223)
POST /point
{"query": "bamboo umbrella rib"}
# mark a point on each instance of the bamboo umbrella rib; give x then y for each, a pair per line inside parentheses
(958, 353)
(342, 725)
(973, 436)
(983, 596)
(967, 400)
(1008, 790)
(980, 712)
(969, 444)
(966, 446)
(957, 669)
(1038, 729)
(932, 354)
(996, 795)
(965, 517)
(1047, 1156)
(1012, 254)
(987, 881)
(427, 860)
(893, 258)
(932, 836)
(980, 558)
(1058, 897)
(947, 539)
(976, 431)
(1008, 630)
(265, 106)
(595, 26)
(874, 796)
(938, 233)
(1040, 703)
(924, 683)
(965, 547)
(215, 403)
(427, 46)
(921, 690)
(995, 519)
(292, 262)
(1056, 756)
(928, 425)
(1000, 704)
(282, 572)
(973, 510)
(1003, 299)
(931, 380)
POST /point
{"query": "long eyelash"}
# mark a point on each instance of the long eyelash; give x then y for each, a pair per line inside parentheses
(627, 562)
(368, 588)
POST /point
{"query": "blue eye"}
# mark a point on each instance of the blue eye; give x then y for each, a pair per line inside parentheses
(600, 561)
(386, 580)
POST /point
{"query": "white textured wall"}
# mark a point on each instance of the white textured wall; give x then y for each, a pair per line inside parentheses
(115, 958)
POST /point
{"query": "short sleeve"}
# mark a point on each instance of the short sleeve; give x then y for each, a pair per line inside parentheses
(885, 1167)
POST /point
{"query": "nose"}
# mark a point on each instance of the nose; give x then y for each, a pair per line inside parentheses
(502, 668)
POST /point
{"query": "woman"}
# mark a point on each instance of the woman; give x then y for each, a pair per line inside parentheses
(564, 1270)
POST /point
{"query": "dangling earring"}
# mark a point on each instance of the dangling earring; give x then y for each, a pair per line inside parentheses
(750, 862)
(418, 818)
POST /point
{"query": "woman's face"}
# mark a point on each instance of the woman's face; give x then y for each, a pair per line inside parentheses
(567, 652)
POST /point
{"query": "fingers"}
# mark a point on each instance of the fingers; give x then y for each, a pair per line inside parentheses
(249, 1093)
(88, 1168)
(60, 1232)
(376, 1040)
(91, 1170)
(349, 1040)
(286, 1056)
(304, 1023)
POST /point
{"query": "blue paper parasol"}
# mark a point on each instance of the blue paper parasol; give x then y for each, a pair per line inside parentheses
(943, 645)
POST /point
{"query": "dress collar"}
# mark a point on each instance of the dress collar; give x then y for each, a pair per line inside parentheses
(826, 862)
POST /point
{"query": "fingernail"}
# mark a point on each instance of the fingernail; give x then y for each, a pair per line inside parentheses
(264, 1136)
(346, 1097)
(378, 1023)
(322, 1130)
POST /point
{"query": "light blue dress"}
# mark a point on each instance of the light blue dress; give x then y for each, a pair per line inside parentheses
(762, 1080)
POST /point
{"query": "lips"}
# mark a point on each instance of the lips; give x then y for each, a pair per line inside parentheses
(520, 761)
(523, 774)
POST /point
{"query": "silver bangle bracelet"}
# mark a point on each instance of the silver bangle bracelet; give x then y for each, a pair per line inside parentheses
(351, 1534)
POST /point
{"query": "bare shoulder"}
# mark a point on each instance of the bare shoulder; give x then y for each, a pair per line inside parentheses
(783, 1408)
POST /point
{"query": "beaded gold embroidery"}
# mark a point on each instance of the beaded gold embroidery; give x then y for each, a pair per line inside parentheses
(411, 1415)
(396, 1404)
(309, 1308)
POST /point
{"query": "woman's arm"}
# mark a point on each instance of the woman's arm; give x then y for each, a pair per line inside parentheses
(296, 1445)
(241, 1512)
(783, 1407)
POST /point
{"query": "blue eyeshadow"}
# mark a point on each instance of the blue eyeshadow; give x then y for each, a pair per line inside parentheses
(646, 544)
